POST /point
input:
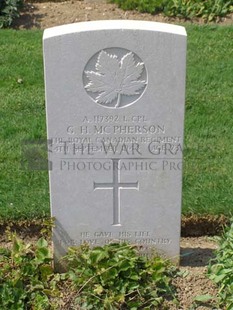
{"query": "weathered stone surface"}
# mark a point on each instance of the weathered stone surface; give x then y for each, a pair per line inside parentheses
(115, 95)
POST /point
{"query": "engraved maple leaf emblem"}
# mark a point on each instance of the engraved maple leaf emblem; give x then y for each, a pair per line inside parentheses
(114, 78)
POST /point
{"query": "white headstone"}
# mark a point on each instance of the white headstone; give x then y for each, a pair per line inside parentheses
(115, 94)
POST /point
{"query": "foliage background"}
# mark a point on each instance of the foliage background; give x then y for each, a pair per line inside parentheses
(208, 10)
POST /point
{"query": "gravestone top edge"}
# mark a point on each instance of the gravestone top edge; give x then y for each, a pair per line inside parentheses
(113, 25)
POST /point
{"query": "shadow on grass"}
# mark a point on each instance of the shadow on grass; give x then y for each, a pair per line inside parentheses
(195, 257)
(28, 18)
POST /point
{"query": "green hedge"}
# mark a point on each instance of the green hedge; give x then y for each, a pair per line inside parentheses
(209, 10)
(9, 10)
(221, 269)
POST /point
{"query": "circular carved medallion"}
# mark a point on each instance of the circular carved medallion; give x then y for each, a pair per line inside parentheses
(115, 78)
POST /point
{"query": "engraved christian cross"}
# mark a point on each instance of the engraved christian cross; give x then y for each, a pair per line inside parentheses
(116, 186)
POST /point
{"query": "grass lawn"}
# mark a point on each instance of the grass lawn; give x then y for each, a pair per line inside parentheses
(208, 169)
(208, 173)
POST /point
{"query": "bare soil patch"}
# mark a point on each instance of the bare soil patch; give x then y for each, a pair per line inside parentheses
(48, 14)
(195, 256)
